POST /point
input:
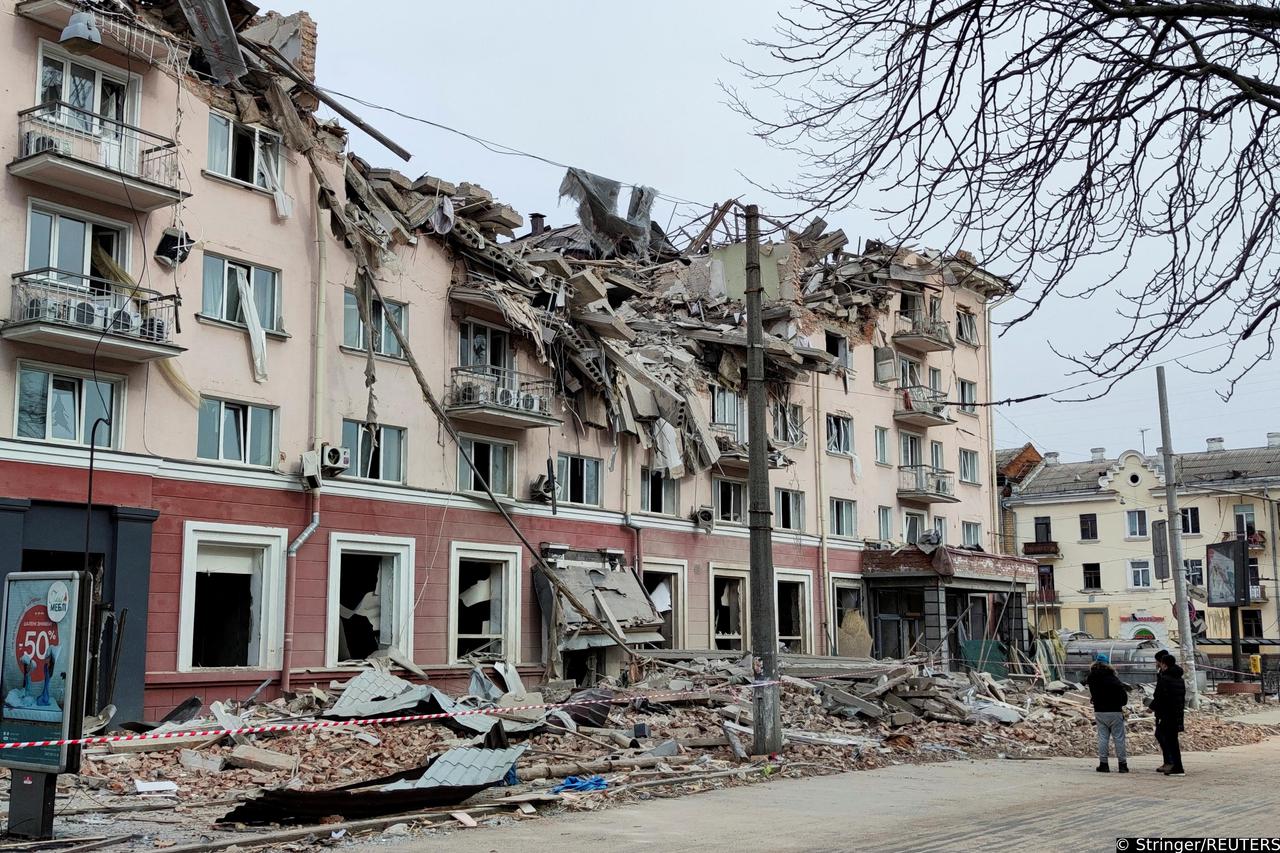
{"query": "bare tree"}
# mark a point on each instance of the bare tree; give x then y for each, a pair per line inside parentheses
(1139, 134)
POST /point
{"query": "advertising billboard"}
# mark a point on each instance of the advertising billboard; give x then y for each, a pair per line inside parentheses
(41, 670)
(1227, 573)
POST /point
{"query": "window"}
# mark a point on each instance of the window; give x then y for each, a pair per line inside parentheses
(377, 453)
(913, 524)
(788, 423)
(482, 346)
(61, 406)
(659, 493)
(882, 445)
(224, 283)
(1139, 574)
(1195, 571)
(1093, 576)
(1252, 571)
(384, 341)
(484, 602)
(909, 452)
(846, 599)
(370, 604)
(937, 455)
(1136, 519)
(1089, 526)
(1044, 528)
(789, 509)
(969, 466)
(968, 396)
(884, 523)
(912, 302)
(730, 607)
(935, 379)
(940, 528)
(235, 432)
(838, 346)
(844, 517)
(1191, 519)
(1251, 624)
(87, 92)
(908, 372)
(491, 462)
(232, 596)
(728, 495)
(578, 479)
(664, 581)
(792, 614)
(840, 435)
(726, 412)
(76, 248)
(244, 153)
(972, 533)
(1244, 521)
(967, 327)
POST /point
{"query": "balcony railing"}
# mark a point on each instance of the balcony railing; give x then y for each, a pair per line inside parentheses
(60, 128)
(84, 303)
(502, 396)
(920, 330)
(924, 482)
(1047, 548)
(921, 405)
(1042, 595)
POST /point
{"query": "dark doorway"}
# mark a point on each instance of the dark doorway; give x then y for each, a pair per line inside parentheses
(223, 620)
(360, 576)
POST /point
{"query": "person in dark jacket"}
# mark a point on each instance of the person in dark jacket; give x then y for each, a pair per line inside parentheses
(1109, 696)
(1168, 705)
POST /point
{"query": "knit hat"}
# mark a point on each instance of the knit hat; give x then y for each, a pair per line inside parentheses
(1162, 654)
(1102, 657)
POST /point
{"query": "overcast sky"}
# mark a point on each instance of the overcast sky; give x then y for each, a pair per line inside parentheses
(632, 91)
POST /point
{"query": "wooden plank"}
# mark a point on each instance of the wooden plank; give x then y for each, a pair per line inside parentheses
(256, 758)
(465, 819)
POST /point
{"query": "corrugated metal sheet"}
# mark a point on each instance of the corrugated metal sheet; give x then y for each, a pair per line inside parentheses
(465, 766)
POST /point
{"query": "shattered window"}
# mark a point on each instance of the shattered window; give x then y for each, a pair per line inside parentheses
(968, 396)
(967, 327)
(220, 297)
(483, 347)
(913, 524)
(1195, 571)
(235, 432)
(729, 617)
(728, 500)
(366, 617)
(789, 509)
(844, 517)
(578, 479)
(1251, 623)
(659, 493)
(838, 347)
(384, 340)
(61, 407)
(726, 411)
(792, 617)
(908, 372)
(227, 621)
(377, 452)
(788, 423)
(492, 463)
(244, 153)
(664, 592)
(940, 528)
(847, 598)
(478, 610)
(972, 533)
(839, 434)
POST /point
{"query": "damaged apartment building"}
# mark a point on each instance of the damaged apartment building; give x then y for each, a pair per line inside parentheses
(336, 413)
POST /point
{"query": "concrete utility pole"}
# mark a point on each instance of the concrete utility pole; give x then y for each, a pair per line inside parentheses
(767, 709)
(1178, 569)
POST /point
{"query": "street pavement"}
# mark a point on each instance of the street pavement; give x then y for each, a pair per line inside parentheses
(1058, 804)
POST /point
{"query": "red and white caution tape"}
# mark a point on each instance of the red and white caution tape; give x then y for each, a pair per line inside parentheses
(338, 724)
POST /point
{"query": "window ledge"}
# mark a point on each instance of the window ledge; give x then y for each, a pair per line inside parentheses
(973, 344)
(235, 182)
(240, 327)
(229, 463)
(884, 464)
(839, 454)
(394, 359)
(972, 414)
(1087, 541)
(347, 478)
(970, 483)
(1192, 535)
(1137, 538)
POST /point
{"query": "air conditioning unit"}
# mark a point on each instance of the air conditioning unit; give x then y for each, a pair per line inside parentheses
(334, 459)
(39, 143)
(467, 394)
(45, 308)
(154, 329)
(312, 475)
(531, 402)
(125, 322)
(84, 313)
(543, 489)
(704, 518)
(508, 397)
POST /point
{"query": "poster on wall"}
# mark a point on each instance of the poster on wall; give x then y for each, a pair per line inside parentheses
(41, 673)
(1227, 574)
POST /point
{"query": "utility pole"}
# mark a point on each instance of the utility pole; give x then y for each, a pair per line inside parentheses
(766, 710)
(1178, 569)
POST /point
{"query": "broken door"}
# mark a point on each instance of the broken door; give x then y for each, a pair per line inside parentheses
(730, 616)
(479, 608)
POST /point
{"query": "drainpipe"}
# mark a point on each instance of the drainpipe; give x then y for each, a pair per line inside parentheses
(628, 469)
(1274, 510)
(290, 577)
(823, 565)
(320, 322)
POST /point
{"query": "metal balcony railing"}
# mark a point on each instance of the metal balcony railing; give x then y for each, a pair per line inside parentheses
(1047, 548)
(921, 324)
(1042, 595)
(502, 388)
(923, 400)
(926, 479)
(67, 131)
(83, 302)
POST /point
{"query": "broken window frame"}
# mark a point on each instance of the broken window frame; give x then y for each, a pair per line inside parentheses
(741, 639)
(1194, 568)
(884, 523)
(1251, 623)
(263, 140)
(40, 422)
(578, 479)
(843, 518)
(395, 589)
(804, 581)
(914, 518)
(365, 452)
(103, 73)
(940, 528)
(967, 327)
(220, 294)
(271, 542)
(470, 331)
(968, 396)
(735, 493)
(882, 445)
(728, 412)
(676, 571)
(839, 435)
(908, 372)
(837, 346)
(500, 485)
(248, 417)
(836, 610)
(384, 341)
(788, 507)
(656, 484)
(77, 266)
(510, 557)
(788, 423)
(970, 467)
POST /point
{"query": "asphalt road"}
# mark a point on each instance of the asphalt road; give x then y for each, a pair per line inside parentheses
(1060, 804)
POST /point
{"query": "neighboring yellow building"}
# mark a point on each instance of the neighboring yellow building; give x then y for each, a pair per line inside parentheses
(1089, 525)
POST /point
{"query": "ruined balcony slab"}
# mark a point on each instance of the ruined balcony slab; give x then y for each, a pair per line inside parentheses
(118, 35)
(916, 330)
(921, 406)
(1048, 550)
(501, 397)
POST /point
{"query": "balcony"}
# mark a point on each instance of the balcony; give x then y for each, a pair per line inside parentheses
(926, 484)
(1047, 549)
(921, 406)
(1043, 596)
(118, 35)
(79, 313)
(916, 330)
(501, 397)
(90, 155)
